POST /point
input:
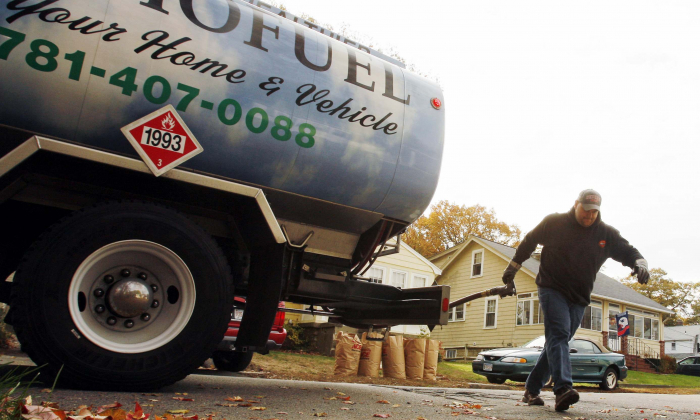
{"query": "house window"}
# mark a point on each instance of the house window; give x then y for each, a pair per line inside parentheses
(490, 313)
(419, 281)
(457, 313)
(451, 354)
(478, 263)
(644, 325)
(528, 311)
(376, 275)
(398, 279)
(593, 316)
(673, 346)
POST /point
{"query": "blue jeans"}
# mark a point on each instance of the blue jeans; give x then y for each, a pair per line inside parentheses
(561, 320)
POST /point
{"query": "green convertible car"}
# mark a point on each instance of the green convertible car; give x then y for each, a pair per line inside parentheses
(590, 363)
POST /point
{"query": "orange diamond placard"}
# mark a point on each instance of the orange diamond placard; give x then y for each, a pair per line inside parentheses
(162, 140)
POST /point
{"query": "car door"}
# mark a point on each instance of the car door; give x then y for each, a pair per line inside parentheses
(685, 366)
(694, 368)
(584, 363)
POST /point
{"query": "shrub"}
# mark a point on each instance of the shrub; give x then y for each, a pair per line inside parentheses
(297, 338)
(668, 364)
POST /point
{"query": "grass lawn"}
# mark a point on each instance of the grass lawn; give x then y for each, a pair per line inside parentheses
(678, 381)
(460, 371)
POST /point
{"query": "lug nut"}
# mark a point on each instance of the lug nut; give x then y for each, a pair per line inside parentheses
(155, 304)
(128, 323)
(111, 320)
(125, 273)
(154, 287)
(145, 317)
(108, 279)
(142, 276)
(98, 293)
(100, 309)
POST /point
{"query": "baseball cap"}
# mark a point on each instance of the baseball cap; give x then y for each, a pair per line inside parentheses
(590, 199)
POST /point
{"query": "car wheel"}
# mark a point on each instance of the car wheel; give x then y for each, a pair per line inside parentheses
(610, 381)
(122, 296)
(232, 361)
(495, 380)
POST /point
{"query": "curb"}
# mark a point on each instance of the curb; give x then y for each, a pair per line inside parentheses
(644, 386)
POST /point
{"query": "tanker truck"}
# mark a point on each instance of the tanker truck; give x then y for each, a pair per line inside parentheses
(159, 158)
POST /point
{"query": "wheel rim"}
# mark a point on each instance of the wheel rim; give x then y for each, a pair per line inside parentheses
(611, 379)
(131, 296)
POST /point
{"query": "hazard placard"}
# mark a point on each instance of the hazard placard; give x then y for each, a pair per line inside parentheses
(162, 140)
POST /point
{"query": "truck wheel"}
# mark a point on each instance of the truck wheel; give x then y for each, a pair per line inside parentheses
(609, 380)
(124, 296)
(232, 361)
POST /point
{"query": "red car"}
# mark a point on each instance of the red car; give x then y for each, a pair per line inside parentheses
(227, 359)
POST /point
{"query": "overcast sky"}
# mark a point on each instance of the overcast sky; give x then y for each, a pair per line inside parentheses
(546, 98)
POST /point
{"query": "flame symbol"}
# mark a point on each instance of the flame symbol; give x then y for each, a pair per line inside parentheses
(168, 123)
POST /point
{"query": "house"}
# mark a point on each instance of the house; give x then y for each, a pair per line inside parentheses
(682, 341)
(478, 264)
(405, 269)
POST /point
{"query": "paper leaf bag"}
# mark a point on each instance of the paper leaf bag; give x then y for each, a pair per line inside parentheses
(371, 355)
(432, 350)
(347, 354)
(393, 363)
(414, 353)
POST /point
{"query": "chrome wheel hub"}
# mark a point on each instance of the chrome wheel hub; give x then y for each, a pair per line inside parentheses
(126, 298)
(131, 296)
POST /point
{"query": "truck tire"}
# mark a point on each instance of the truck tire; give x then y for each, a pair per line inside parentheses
(232, 361)
(124, 296)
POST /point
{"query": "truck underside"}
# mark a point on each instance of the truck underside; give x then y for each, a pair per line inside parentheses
(65, 206)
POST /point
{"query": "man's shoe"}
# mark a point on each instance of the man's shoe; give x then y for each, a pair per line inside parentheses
(565, 398)
(531, 399)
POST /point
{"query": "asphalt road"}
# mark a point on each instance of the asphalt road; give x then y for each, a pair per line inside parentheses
(209, 390)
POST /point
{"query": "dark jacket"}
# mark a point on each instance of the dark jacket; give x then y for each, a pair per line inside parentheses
(573, 254)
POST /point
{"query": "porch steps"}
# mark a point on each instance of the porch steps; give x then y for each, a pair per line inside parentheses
(639, 364)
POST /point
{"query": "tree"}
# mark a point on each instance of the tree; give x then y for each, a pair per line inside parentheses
(682, 298)
(450, 224)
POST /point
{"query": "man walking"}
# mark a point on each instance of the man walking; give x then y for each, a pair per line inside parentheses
(575, 246)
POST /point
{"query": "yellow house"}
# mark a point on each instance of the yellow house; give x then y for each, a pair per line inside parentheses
(478, 264)
(405, 269)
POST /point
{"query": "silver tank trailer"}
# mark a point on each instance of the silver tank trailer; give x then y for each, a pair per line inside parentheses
(274, 103)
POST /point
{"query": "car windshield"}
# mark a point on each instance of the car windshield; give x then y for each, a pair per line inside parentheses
(536, 343)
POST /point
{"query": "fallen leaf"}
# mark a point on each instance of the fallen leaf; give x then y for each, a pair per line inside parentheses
(396, 406)
(344, 408)
(282, 412)
(348, 402)
(329, 399)
(178, 411)
(320, 415)
(382, 416)
(46, 390)
(258, 408)
(340, 393)
(345, 398)
(259, 396)
(253, 401)
(383, 402)
(183, 399)
(234, 399)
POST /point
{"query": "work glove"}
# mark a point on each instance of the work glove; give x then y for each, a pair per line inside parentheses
(509, 272)
(641, 269)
